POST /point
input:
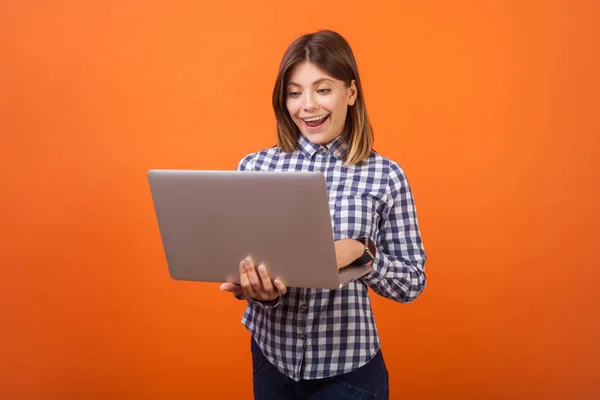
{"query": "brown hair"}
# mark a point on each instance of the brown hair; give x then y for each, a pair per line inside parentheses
(330, 52)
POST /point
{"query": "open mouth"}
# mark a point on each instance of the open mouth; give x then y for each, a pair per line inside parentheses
(315, 122)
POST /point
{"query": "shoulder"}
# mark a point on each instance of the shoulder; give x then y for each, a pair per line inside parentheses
(392, 175)
(250, 161)
(390, 168)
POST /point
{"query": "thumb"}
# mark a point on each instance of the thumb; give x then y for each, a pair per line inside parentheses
(231, 287)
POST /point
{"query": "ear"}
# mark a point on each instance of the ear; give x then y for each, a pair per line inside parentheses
(353, 93)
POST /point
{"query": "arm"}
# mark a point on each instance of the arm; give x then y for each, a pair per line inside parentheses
(399, 265)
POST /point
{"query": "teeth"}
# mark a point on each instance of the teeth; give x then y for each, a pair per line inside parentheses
(315, 118)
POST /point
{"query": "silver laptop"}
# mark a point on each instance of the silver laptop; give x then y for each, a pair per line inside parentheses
(210, 220)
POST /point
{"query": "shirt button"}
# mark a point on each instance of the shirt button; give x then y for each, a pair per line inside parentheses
(301, 336)
(303, 307)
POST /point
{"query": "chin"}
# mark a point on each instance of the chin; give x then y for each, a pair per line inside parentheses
(318, 138)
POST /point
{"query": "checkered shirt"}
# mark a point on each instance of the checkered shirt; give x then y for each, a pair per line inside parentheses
(318, 333)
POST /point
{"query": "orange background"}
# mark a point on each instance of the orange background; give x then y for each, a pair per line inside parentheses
(491, 108)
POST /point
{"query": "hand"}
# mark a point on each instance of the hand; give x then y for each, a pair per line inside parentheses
(347, 251)
(255, 285)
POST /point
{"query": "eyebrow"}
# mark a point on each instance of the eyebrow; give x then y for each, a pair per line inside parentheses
(314, 83)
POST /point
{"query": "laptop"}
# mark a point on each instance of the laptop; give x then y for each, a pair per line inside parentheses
(209, 221)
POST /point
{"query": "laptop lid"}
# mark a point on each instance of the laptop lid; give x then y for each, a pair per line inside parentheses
(210, 220)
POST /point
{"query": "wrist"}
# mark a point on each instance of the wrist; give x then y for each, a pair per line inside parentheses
(358, 249)
(268, 303)
(367, 252)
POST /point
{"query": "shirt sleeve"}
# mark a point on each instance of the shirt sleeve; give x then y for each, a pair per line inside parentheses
(246, 164)
(399, 264)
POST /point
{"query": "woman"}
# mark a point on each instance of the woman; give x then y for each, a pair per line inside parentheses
(323, 344)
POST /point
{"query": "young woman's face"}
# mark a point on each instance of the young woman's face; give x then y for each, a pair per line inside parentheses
(318, 103)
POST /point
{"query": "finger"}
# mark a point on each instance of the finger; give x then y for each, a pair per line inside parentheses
(244, 281)
(266, 279)
(280, 287)
(253, 277)
(231, 287)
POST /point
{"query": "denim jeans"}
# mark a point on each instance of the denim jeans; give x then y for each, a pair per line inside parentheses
(371, 381)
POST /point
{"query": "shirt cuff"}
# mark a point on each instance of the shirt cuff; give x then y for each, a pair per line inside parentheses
(264, 304)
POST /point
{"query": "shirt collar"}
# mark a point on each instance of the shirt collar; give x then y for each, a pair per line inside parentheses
(337, 147)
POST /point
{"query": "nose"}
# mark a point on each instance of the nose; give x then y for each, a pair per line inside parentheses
(309, 102)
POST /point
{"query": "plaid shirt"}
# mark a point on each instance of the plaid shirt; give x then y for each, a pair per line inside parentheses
(316, 333)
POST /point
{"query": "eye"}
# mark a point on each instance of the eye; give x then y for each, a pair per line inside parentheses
(293, 94)
(323, 91)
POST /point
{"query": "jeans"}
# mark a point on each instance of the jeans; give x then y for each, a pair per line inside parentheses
(370, 381)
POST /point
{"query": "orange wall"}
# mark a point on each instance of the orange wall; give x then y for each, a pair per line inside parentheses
(491, 107)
